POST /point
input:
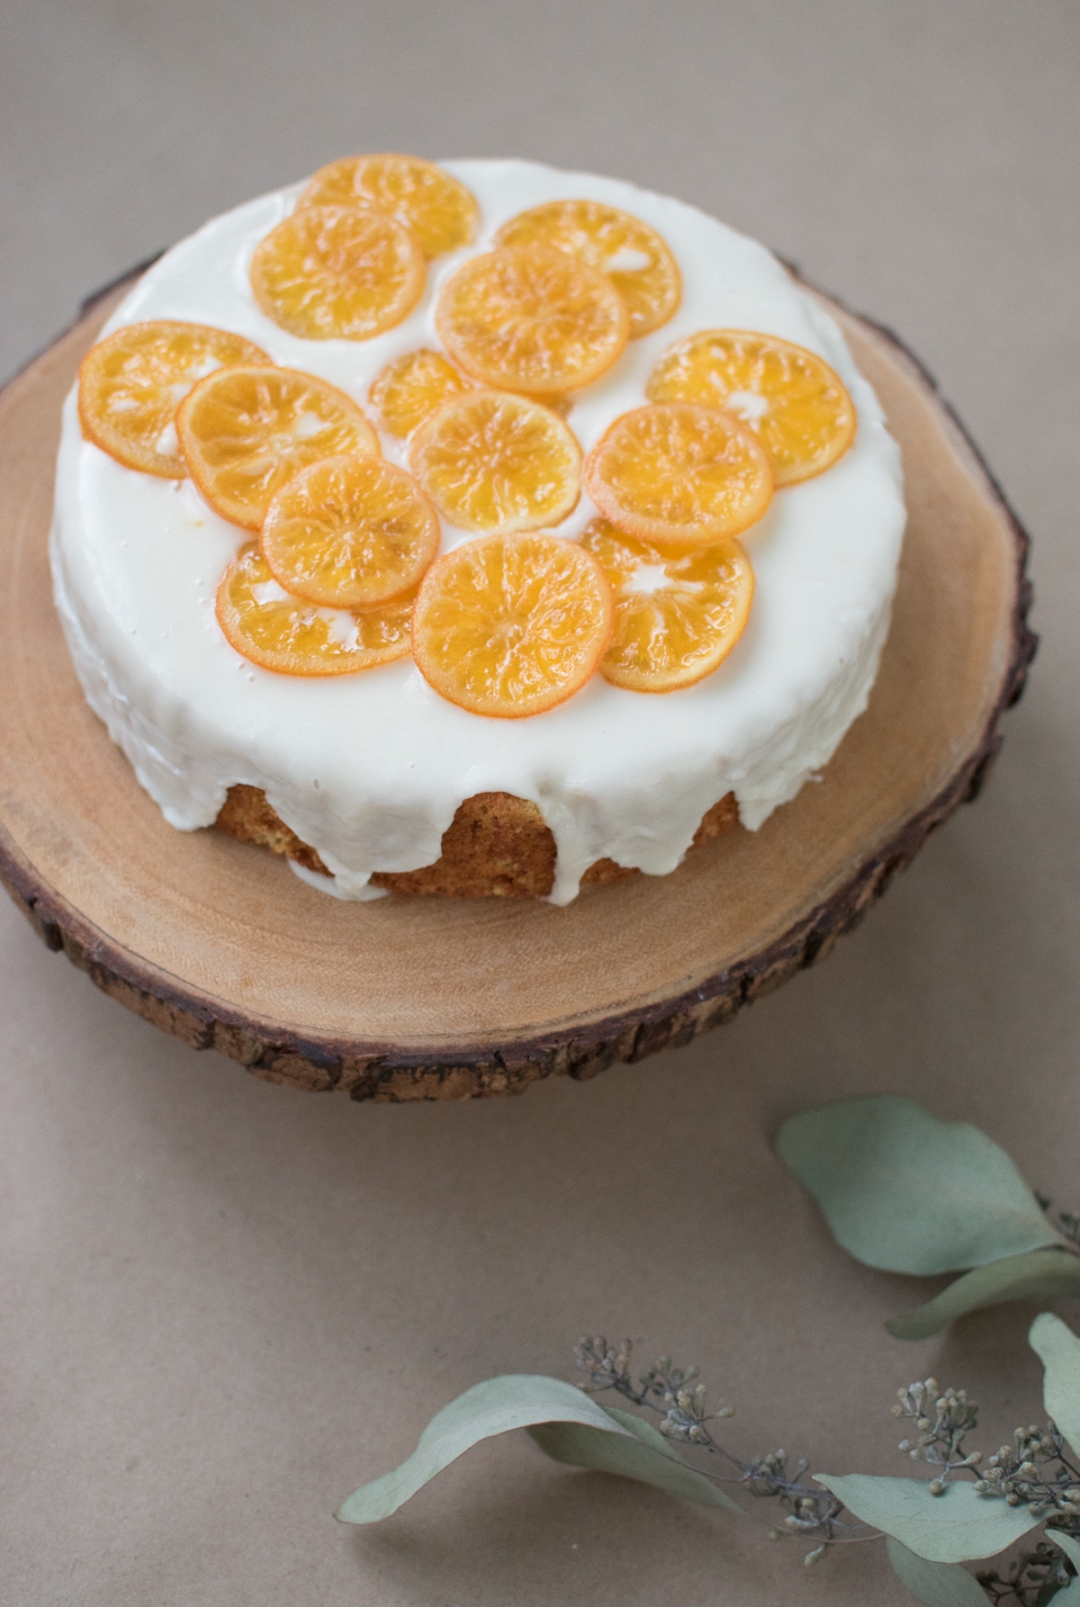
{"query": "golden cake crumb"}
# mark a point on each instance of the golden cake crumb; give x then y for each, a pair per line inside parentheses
(496, 845)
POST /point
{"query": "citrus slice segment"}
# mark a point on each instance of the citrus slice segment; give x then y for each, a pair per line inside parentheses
(436, 207)
(527, 318)
(245, 431)
(677, 472)
(411, 387)
(295, 637)
(635, 258)
(497, 463)
(349, 532)
(678, 610)
(337, 273)
(794, 402)
(132, 382)
(509, 626)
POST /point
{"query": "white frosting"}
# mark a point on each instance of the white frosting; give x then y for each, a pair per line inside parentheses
(370, 768)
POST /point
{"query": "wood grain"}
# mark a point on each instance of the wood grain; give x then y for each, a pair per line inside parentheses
(419, 998)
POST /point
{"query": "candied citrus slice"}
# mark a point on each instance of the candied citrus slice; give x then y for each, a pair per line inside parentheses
(676, 472)
(793, 401)
(245, 431)
(527, 318)
(634, 257)
(563, 405)
(497, 463)
(512, 625)
(350, 532)
(295, 637)
(436, 207)
(678, 610)
(132, 382)
(411, 387)
(337, 273)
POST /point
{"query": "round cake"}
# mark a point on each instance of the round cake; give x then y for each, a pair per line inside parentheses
(383, 768)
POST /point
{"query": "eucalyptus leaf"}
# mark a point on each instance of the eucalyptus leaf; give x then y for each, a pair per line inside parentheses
(1058, 1348)
(647, 1457)
(519, 1400)
(1069, 1545)
(1070, 1596)
(1037, 1274)
(956, 1526)
(906, 1192)
(938, 1584)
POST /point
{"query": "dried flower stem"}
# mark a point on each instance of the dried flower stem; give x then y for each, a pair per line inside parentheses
(1035, 1469)
(808, 1509)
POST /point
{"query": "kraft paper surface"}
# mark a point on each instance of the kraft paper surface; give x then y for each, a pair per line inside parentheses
(226, 1304)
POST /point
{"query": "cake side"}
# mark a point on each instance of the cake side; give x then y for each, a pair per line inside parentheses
(495, 846)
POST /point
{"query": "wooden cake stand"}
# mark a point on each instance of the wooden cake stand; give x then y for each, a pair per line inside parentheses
(419, 998)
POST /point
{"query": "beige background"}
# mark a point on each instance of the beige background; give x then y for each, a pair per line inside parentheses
(225, 1304)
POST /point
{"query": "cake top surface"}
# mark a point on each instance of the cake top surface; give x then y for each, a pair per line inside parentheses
(370, 767)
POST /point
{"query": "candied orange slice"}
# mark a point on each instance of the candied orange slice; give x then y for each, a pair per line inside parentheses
(295, 637)
(531, 319)
(245, 431)
(337, 273)
(411, 387)
(793, 401)
(436, 207)
(563, 405)
(350, 532)
(512, 625)
(676, 472)
(634, 257)
(132, 382)
(497, 463)
(678, 610)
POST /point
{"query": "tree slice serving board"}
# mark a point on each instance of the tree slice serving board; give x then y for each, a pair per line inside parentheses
(408, 998)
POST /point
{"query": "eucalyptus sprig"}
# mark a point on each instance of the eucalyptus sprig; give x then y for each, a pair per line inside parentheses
(970, 1510)
(904, 1192)
(806, 1509)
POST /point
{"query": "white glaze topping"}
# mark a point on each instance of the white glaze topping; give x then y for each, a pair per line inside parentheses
(370, 768)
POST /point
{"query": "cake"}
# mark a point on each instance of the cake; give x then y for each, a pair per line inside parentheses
(702, 651)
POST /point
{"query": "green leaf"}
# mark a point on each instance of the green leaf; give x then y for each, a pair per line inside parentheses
(647, 1457)
(1070, 1596)
(1058, 1348)
(908, 1193)
(938, 1584)
(952, 1527)
(1069, 1545)
(522, 1400)
(1038, 1274)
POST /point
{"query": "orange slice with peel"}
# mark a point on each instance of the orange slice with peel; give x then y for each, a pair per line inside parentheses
(412, 387)
(563, 405)
(509, 626)
(132, 382)
(497, 463)
(337, 273)
(295, 637)
(350, 532)
(634, 257)
(677, 472)
(797, 405)
(527, 318)
(245, 431)
(433, 205)
(678, 610)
